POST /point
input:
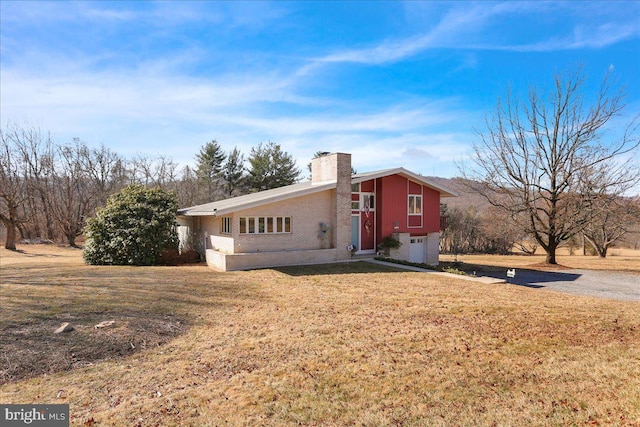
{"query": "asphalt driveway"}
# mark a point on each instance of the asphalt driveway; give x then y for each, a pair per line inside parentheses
(594, 283)
(615, 285)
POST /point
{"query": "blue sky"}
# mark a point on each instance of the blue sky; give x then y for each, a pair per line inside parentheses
(394, 83)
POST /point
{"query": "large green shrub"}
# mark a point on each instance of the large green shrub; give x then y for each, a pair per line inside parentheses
(134, 228)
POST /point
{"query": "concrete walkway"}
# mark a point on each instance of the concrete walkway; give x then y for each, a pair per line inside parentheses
(480, 279)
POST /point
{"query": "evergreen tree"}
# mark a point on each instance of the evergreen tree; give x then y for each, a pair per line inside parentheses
(271, 168)
(210, 163)
(234, 173)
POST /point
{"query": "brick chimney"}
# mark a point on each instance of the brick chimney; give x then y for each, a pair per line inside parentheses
(336, 167)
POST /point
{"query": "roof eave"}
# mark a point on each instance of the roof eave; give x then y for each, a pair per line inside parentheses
(314, 188)
(444, 192)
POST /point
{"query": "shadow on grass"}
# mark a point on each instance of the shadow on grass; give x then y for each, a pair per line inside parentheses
(358, 267)
(37, 255)
(524, 277)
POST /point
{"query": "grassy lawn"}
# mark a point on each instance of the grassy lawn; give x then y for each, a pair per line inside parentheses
(348, 344)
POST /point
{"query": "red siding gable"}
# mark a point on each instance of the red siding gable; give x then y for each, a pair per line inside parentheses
(414, 188)
(392, 207)
(366, 186)
(431, 210)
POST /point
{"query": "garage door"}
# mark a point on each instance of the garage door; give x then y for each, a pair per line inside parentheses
(417, 249)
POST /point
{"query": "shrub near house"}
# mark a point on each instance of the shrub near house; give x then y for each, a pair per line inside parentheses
(135, 228)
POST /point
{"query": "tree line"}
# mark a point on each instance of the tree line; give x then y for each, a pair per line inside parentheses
(473, 230)
(49, 190)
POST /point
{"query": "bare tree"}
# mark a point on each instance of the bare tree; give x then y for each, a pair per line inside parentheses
(165, 173)
(615, 218)
(106, 170)
(499, 237)
(140, 170)
(536, 159)
(526, 246)
(74, 198)
(187, 188)
(470, 230)
(462, 232)
(50, 190)
(38, 157)
(160, 171)
(13, 187)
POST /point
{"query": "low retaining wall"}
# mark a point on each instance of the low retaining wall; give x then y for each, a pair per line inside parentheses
(247, 261)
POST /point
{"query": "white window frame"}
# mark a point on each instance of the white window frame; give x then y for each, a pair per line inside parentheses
(226, 225)
(259, 225)
(416, 198)
(363, 201)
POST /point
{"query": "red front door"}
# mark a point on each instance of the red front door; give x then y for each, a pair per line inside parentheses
(367, 231)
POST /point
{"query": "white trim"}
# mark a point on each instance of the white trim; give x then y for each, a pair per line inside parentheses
(415, 196)
(361, 177)
(278, 223)
(234, 204)
(362, 202)
(226, 225)
(421, 196)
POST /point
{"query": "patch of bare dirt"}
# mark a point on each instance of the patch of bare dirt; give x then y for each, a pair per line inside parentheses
(547, 266)
(31, 348)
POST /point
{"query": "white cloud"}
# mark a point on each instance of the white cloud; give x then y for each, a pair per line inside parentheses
(417, 153)
(160, 14)
(464, 28)
(156, 111)
(438, 152)
(102, 14)
(582, 37)
(45, 12)
(449, 32)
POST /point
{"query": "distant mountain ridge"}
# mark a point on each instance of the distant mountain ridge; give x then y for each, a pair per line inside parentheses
(466, 195)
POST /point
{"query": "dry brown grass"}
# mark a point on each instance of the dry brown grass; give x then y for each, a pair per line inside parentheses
(351, 344)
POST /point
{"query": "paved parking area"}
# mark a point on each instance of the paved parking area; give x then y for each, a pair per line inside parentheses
(594, 283)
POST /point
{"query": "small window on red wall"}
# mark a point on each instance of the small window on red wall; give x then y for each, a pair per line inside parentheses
(415, 205)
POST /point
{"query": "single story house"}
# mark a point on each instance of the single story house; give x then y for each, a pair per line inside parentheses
(330, 218)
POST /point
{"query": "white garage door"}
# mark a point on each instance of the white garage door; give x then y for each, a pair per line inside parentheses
(417, 249)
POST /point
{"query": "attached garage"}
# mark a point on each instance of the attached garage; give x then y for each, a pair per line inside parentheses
(417, 249)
